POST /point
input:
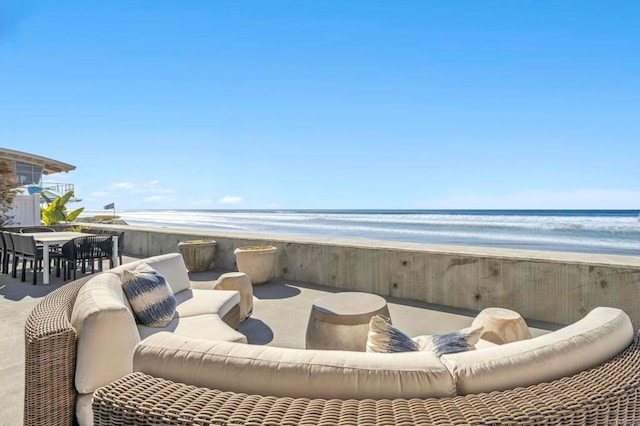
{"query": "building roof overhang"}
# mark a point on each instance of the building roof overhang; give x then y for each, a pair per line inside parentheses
(49, 165)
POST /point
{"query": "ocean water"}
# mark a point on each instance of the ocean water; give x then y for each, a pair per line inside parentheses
(592, 231)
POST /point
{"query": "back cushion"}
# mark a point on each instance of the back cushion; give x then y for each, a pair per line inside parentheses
(598, 337)
(107, 333)
(172, 267)
(265, 370)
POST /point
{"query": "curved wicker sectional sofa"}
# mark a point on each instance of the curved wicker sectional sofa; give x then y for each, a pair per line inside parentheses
(186, 380)
(101, 333)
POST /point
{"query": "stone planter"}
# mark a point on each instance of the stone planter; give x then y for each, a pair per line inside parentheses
(198, 254)
(257, 262)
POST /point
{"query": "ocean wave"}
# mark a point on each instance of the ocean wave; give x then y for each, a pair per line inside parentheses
(534, 223)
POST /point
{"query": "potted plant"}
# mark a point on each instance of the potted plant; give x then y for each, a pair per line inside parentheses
(257, 262)
(198, 255)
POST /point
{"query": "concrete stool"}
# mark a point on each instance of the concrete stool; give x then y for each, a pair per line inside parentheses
(502, 326)
(341, 320)
(240, 282)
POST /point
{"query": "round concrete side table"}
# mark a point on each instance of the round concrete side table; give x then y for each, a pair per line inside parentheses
(501, 326)
(341, 320)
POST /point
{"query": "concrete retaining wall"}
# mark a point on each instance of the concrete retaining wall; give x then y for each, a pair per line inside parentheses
(546, 286)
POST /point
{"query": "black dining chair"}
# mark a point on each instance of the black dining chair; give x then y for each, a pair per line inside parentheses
(120, 235)
(4, 261)
(84, 252)
(13, 251)
(69, 259)
(54, 248)
(29, 251)
(32, 229)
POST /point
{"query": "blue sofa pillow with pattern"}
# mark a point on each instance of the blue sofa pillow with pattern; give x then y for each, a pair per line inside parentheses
(149, 295)
(449, 343)
(384, 337)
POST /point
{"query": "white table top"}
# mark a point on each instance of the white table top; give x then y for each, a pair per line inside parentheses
(56, 237)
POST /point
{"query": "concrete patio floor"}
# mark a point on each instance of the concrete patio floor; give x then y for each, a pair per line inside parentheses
(281, 310)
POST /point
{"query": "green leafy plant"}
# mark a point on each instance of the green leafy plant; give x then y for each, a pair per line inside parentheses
(56, 212)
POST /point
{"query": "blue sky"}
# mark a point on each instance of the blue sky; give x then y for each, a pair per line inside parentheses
(328, 104)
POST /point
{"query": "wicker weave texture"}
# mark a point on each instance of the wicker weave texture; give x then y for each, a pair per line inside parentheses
(50, 359)
(605, 395)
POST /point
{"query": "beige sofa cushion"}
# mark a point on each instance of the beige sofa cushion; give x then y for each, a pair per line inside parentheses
(173, 268)
(84, 410)
(209, 327)
(170, 265)
(202, 302)
(106, 330)
(265, 370)
(599, 336)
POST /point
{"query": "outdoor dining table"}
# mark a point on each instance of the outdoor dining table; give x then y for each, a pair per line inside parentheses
(48, 239)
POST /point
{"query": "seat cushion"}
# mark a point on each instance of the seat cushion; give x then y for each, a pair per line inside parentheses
(209, 327)
(266, 370)
(598, 337)
(194, 302)
(84, 411)
(149, 295)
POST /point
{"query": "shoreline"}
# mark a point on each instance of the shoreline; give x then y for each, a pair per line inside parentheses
(595, 232)
(401, 246)
(488, 245)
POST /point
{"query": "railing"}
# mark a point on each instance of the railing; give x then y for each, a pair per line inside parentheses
(59, 188)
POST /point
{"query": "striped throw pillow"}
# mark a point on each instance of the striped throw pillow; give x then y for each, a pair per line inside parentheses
(384, 337)
(149, 295)
(449, 343)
